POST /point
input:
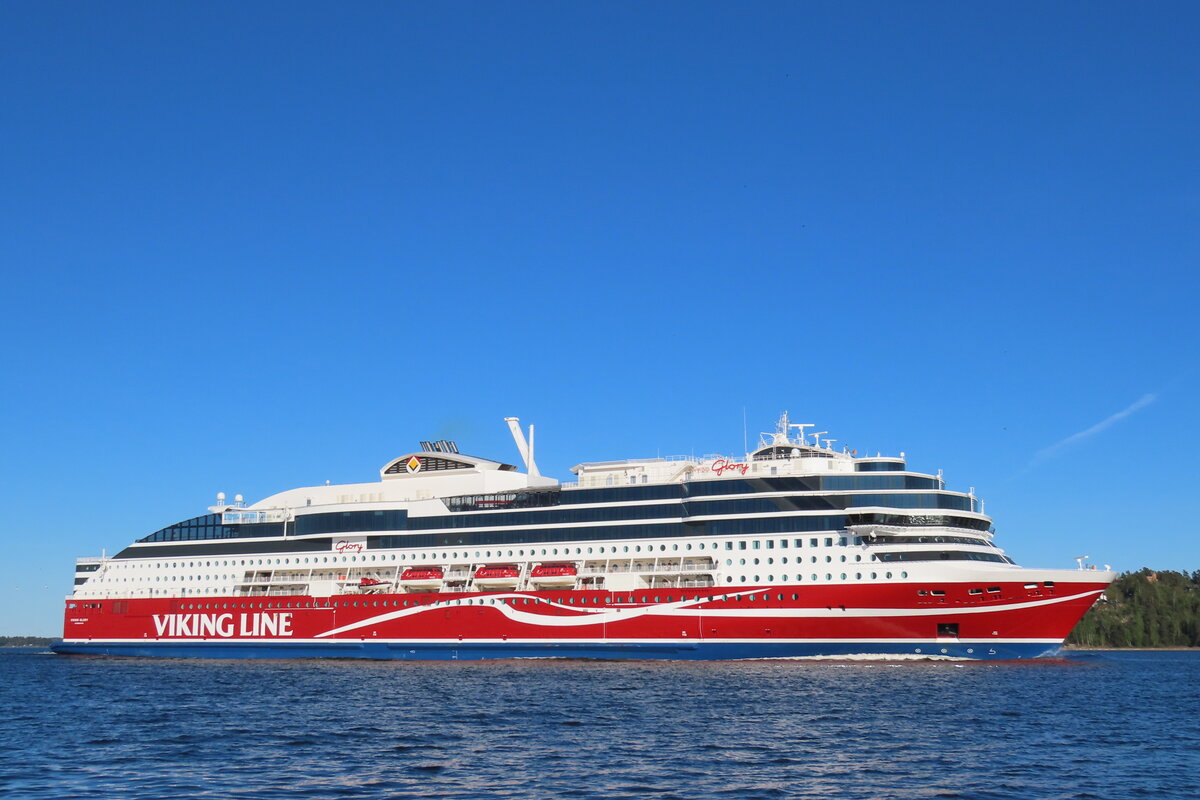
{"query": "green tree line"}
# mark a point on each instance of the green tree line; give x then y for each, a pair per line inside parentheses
(25, 641)
(1144, 609)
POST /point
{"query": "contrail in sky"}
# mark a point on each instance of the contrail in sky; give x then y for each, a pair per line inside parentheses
(1047, 452)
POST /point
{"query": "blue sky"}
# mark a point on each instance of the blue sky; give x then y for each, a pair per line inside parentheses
(247, 247)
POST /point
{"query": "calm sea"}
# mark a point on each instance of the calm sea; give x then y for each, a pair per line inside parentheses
(1093, 725)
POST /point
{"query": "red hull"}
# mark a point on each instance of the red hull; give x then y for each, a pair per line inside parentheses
(887, 612)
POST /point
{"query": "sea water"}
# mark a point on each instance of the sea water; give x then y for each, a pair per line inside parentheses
(1089, 725)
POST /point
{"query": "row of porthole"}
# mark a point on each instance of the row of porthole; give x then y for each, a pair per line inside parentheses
(485, 554)
(728, 578)
(858, 576)
(596, 600)
(756, 561)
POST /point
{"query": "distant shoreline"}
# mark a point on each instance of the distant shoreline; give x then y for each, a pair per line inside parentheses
(28, 641)
(1131, 649)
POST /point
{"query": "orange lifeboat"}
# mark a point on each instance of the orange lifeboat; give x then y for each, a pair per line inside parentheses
(421, 578)
(497, 576)
(554, 574)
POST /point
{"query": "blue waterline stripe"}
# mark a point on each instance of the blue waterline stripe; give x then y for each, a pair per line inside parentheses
(469, 651)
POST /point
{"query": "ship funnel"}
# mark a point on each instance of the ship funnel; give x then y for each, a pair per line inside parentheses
(525, 449)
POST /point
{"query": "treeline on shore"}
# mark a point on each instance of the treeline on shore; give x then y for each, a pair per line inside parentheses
(26, 641)
(1144, 609)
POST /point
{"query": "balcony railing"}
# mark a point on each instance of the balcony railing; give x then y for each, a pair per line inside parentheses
(243, 517)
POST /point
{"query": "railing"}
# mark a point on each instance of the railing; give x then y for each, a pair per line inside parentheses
(645, 569)
(241, 517)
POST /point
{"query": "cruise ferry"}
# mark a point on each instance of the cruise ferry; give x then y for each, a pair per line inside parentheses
(794, 550)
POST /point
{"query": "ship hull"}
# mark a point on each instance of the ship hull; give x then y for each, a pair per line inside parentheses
(875, 621)
(482, 651)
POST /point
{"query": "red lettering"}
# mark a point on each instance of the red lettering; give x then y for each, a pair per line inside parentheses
(721, 465)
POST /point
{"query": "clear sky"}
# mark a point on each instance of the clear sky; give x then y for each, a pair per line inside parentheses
(253, 246)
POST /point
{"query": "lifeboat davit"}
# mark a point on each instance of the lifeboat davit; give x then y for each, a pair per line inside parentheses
(497, 576)
(554, 575)
(372, 585)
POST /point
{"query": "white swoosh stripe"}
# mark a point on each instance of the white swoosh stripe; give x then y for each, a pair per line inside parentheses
(686, 608)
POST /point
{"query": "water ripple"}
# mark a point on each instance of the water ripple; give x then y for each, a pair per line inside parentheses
(1091, 727)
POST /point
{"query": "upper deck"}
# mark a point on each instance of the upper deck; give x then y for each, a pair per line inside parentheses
(779, 453)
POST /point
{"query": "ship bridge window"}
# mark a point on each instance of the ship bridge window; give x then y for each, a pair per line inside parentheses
(890, 540)
(918, 520)
(879, 466)
(941, 555)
